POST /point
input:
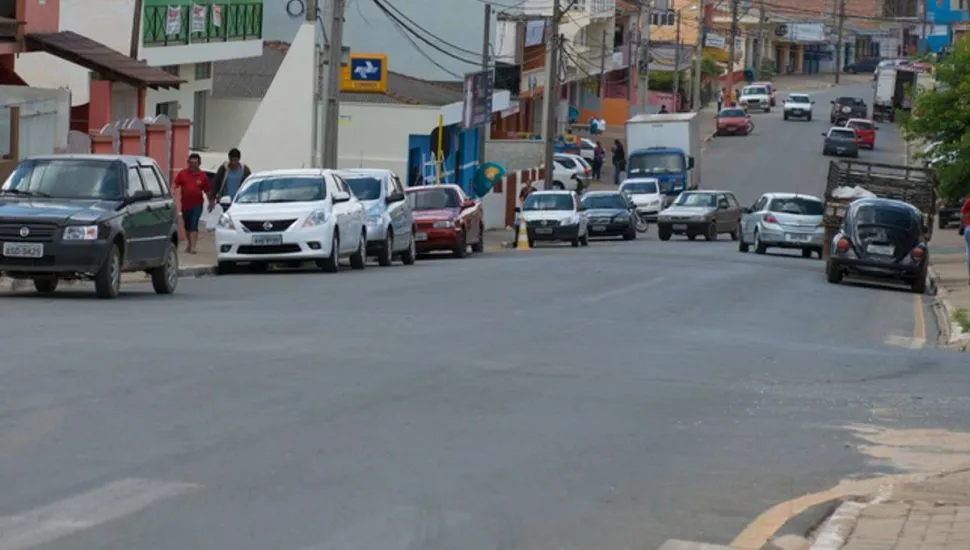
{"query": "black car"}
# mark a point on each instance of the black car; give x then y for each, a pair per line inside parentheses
(611, 214)
(88, 217)
(881, 239)
(844, 108)
(867, 65)
(948, 211)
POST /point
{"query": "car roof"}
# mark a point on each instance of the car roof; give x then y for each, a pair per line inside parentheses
(805, 94)
(293, 172)
(601, 193)
(859, 120)
(640, 180)
(707, 191)
(451, 186)
(365, 171)
(841, 128)
(792, 196)
(552, 192)
(879, 201)
(127, 159)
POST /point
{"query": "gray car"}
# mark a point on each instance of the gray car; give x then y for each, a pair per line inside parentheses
(611, 214)
(706, 213)
(388, 217)
(841, 142)
(783, 220)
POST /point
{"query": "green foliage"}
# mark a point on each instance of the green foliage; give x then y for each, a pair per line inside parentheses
(709, 66)
(944, 115)
(664, 81)
(767, 68)
(961, 318)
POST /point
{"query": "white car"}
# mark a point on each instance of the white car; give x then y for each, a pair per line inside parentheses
(555, 216)
(798, 106)
(755, 97)
(564, 178)
(292, 216)
(576, 163)
(587, 149)
(783, 220)
(389, 219)
(646, 196)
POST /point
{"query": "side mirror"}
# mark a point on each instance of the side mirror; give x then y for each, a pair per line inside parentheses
(832, 102)
(690, 163)
(813, 102)
(340, 196)
(580, 208)
(140, 196)
(468, 203)
(745, 210)
(824, 134)
(395, 197)
(874, 128)
(225, 201)
(518, 210)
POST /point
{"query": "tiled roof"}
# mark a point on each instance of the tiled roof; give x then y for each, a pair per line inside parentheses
(252, 77)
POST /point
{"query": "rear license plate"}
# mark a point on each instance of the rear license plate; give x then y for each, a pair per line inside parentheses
(680, 227)
(267, 240)
(543, 231)
(732, 129)
(599, 228)
(881, 249)
(840, 149)
(797, 238)
(420, 236)
(22, 250)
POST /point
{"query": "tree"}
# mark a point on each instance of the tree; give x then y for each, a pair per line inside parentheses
(944, 115)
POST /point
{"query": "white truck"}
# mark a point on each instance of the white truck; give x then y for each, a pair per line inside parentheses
(893, 89)
(667, 147)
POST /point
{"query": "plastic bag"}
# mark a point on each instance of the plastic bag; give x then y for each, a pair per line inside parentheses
(210, 219)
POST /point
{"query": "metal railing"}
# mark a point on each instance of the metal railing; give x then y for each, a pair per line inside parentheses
(223, 22)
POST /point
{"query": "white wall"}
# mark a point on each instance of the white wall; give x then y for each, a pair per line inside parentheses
(506, 41)
(226, 122)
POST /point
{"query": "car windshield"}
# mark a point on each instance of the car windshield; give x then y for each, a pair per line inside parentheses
(801, 206)
(433, 199)
(732, 113)
(365, 188)
(838, 133)
(860, 125)
(610, 201)
(566, 162)
(656, 163)
(551, 201)
(886, 216)
(755, 90)
(640, 188)
(851, 101)
(708, 200)
(67, 179)
(799, 99)
(282, 189)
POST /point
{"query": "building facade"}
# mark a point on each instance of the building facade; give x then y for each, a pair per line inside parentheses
(942, 16)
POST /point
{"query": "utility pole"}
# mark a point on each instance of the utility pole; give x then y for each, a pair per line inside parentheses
(551, 92)
(839, 47)
(486, 126)
(643, 69)
(600, 84)
(318, 143)
(634, 62)
(677, 61)
(760, 52)
(334, 61)
(731, 51)
(922, 43)
(698, 57)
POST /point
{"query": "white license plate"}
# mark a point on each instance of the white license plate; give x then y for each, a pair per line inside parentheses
(680, 227)
(797, 238)
(840, 149)
(732, 129)
(267, 240)
(420, 236)
(881, 249)
(23, 250)
(599, 228)
(543, 231)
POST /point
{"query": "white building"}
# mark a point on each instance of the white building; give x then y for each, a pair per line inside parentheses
(181, 36)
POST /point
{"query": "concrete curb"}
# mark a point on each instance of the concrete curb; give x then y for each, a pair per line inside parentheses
(837, 529)
(804, 523)
(952, 335)
(197, 271)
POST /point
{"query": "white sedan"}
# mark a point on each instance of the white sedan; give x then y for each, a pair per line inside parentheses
(292, 216)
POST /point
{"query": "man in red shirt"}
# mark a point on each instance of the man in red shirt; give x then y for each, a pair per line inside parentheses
(195, 187)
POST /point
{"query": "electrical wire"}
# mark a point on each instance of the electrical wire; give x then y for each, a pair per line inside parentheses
(413, 34)
(427, 32)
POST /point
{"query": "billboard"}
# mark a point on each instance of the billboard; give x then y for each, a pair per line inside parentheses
(365, 72)
(477, 103)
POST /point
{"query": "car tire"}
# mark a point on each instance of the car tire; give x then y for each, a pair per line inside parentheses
(806, 253)
(941, 223)
(584, 240)
(558, 185)
(786, 116)
(409, 256)
(759, 246)
(711, 234)
(358, 260)
(107, 281)
(165, 278)
(574, 242)
(386, 255)
(479, 247)
(768, 110)
(808, 118)
(461, 250)
(225, 268)
(331, 264)
(832, 274)
(742, 246)
(532, 243)
(630, 233)
(663, 234)
(45, 286)
(736, 233)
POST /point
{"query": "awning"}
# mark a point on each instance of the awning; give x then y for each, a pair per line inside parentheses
(95, 56)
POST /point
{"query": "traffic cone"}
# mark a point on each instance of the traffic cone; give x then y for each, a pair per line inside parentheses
(522, 242)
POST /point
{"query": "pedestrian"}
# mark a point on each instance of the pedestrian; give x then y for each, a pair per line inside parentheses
(195, 187)
(599, 154)
(965, 227)
(230, 175)
(720, 99)
(619, 161)
(663, 110)
(527, 190)
(593, 126)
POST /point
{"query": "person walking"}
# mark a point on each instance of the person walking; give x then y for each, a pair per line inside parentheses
(230, 175)
(599, 154)
(194, 187)
(965, 227)
(619, 161)
(527, 190)
(720, 99)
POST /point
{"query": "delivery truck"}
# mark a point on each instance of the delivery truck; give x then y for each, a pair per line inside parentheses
(894, 89)
(666, 147)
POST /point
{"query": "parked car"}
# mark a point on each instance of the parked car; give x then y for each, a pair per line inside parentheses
(446, 219)
(881, 239)
(388, 217)
(948, 211)
(564, 178)
(587, 149)
(555, 216)
(844, 108)
(841, 142)
(611, 214)
(783, 220)
(733, 121)
(88, 217)
(646, 195)
(862, 66)
(707, 213)
(577, 164)
(798, 106)
(772, 92)
(865, 131)
(292, 216)
(755, 97)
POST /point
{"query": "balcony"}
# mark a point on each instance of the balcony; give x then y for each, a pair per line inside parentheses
(176, 32)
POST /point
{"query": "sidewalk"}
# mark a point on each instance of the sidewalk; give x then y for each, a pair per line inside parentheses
(948, 271)
(809, 82)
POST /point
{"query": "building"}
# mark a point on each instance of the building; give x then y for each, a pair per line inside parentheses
(182, 37)
(942, 16)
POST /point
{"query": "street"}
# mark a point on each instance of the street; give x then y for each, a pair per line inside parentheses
(609, 397)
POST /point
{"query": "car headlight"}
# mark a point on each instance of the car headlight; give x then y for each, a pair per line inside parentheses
(699, 218)
(445, 224)
(81, 233)
(316, 218)
(622, 217)
(225, 222)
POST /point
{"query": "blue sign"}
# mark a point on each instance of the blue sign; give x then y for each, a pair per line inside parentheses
(366, 70)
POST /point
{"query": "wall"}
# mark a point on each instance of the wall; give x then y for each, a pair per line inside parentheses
(185, 96)
(226, 121)
(44, 119)
(375, 135)
(514, 154)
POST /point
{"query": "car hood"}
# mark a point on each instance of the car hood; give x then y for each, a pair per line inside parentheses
(645, 198)
(754, 96)
(437, 214)
(59, 210)
(798, 105)
(605, 212)
(537, 215)
(274, 210)
(688, 211)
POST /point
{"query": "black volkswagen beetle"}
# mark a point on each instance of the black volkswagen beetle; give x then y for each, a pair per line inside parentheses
(611, 214)
(881, 239)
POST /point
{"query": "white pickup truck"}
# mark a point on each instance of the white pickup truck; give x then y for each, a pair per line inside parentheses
(798, 106)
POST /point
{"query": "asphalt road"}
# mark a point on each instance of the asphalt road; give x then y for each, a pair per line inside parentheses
(603, 398)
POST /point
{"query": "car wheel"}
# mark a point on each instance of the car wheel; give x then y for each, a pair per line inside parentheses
(808, 118)
(107, 281)
(806, 253)
(225, 268)
(558, 185)
(258, 267)
(331, 264)
(759, 247)
(461, 250)
(832, 274)
(941, 223)
(386, 256)
(409, 256)
(584, 240)
(768, 110)
(735, 234)
(166, 277)
(919, 283)
(574, 241)
(663, 234)
(742, 246)
(786, 116)
(359, 258)
(711, 234)
(532, 243)
(46, 286)
(630, 234)
(479, 247)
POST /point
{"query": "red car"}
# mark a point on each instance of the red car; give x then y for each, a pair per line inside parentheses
(733, 121)
(446, 219)
(865, 131)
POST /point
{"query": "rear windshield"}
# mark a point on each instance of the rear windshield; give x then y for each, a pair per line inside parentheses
(885, 215)
(797, 205)
(860, 125)
(850, 101)
(732, 112)
(844, 134)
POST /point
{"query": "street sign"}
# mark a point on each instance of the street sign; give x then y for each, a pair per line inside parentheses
(366, 72)
(477, 105)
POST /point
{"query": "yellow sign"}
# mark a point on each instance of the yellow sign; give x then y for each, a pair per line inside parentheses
(365, 72)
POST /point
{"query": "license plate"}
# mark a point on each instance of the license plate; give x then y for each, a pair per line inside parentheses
(21, 250)
(797, 238)
(732, 129)
(680, 227)
(840, 149)
(543, 231)
(881, 249)
(599, 228)
(797, 111)
(420, 236)
(267, 240)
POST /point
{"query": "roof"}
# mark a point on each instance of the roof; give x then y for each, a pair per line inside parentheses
(601, 192)
(251, 78)
(292, 172)
(664, 117)
(792, 196)
(127, 159)
(95, 56)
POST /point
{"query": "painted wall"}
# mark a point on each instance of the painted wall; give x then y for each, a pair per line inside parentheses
(459, 165)
(514, 154)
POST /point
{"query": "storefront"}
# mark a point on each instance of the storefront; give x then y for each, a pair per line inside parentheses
(800, 48)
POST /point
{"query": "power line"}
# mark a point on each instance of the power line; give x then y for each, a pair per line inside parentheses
(426, 31)
(390, 15)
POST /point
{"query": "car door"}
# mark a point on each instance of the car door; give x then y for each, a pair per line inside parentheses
(342, 213)
(734, 208)
(750, 219)
(583, 216)
(399, 212)
(137, 221)
(162, 210)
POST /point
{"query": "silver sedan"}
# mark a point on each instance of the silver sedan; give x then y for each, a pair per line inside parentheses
(783, 220)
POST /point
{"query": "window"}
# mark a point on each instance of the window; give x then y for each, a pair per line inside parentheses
(801, 206)
(549, 201)
(341, 185)
(612, 201)
(708, 200)
(203, 71)
(171, 69)
(759, 205)
(152, 183)
(434, 198)
(282, 189)
(168, 108)
(198, 119)
(732, 200)
(397, 185)
(365, 188)
(134, 184)
(67, 179)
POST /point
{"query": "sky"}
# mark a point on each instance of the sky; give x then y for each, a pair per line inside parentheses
(368, 30)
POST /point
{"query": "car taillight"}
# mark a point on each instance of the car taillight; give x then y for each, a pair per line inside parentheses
(918, 253)
(769, 218)
(842, 245)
